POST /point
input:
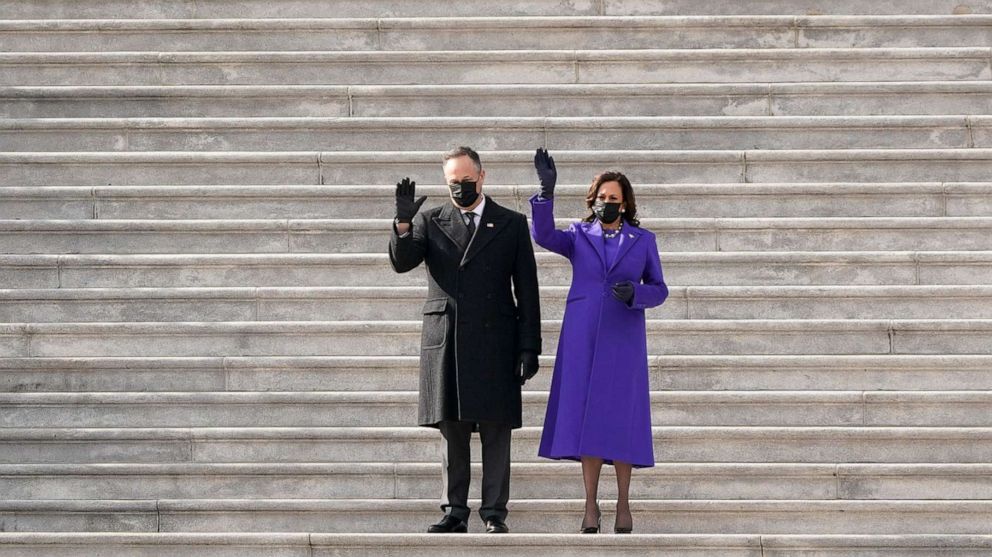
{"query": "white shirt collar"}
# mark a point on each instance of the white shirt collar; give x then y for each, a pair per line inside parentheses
(478, 209)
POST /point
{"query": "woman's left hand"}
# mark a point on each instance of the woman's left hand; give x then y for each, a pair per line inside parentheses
(624, 291)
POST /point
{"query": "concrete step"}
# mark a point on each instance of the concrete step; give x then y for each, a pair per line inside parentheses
(366, 303)
(372, 235)
(343, 269)
(546, 480)
(914, 199)
(402, 338)
(312, 304)
(59, 9)
(738, 444)
(496, 33)
(502, 66)
(503, 167)
(396, 409)
(536, 516)
(501, 133)
(733, 99)
(481, 545)
(399, 373)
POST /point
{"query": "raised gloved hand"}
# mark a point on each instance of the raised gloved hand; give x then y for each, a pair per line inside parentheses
(406, 207)
(624, 291)
(526, 365)
(546, 173)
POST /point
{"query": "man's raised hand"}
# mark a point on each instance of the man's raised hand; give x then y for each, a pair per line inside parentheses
(406, 207)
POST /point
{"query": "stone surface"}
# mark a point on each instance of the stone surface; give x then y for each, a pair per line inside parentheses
(203, 349)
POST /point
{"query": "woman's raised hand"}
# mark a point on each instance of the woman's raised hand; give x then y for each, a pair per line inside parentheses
(546, 173)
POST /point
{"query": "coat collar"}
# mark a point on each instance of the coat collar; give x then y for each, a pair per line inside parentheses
(491, 223)
(494, 219)
(443, 220)
(593, 233)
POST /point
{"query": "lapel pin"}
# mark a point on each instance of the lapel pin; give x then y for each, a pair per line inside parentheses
(630, 235)
(489, 225)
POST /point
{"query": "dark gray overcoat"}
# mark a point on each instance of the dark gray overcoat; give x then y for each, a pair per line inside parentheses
(482, 309)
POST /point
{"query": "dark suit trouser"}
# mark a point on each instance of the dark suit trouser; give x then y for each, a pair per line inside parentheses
(457, 472)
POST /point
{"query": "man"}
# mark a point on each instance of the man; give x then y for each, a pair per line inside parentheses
(477, 346)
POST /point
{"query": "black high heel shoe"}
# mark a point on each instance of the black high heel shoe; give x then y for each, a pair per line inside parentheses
(594, 529)
(620, 530)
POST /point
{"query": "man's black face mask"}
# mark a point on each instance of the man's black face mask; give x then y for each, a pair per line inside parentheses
(464, 193)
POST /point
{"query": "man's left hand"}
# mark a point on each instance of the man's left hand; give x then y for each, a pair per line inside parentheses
(526, 365)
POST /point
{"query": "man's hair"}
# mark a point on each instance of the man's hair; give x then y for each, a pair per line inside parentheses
(464, 152)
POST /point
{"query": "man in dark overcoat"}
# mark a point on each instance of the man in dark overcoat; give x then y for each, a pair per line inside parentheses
(481, 329)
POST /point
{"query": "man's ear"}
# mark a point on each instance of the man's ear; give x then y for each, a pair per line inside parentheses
(482, 178)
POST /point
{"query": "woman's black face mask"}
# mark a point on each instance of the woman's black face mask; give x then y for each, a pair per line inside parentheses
(463, 193)
(606, 212)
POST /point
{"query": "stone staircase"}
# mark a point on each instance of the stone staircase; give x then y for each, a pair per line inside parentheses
(203, 349)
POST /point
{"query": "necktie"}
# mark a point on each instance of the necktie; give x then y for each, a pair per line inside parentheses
(470, 223)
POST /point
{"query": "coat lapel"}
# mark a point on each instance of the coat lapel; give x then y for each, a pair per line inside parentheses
(594, 235)
(492, 223)
(630, 235)
(444, 221)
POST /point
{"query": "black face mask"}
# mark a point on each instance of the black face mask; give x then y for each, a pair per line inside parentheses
(464, 193)
(606, 212)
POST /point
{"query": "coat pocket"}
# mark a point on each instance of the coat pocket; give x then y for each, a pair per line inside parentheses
(435, 327)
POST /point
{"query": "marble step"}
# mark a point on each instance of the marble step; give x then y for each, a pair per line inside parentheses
(365, 235)
(912, 199)
(714, 99)
(546, 480)
(707, 268)
(503, 167)
(365, 303)
(402, 338)
(536, 516)
(498, 134)
(732, 444)
(399, 373)
(481, 545)
(497, 33)
(396, 409)
(502, 66)
(67, 9)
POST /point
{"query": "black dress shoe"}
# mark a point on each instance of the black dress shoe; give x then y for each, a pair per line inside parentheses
(448, 525)
(496, 526)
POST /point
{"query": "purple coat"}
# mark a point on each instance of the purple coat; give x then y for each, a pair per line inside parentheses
(600, 401)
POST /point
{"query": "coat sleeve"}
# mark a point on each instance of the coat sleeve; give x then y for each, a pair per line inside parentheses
(652, 291)
(407, 252)
(525, 289)
(543, 228)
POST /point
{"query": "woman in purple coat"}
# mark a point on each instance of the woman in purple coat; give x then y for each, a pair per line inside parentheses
(599, 408)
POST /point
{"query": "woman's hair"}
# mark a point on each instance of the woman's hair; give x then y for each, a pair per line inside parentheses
(630, 211)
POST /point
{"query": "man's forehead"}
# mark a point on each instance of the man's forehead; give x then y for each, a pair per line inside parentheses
(458, 171)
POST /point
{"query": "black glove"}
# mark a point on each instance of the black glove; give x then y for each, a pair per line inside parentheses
(624, 291)
(546, 172)
(406, 207)
(527, 365)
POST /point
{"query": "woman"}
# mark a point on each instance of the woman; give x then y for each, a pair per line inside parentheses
(599, 408)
